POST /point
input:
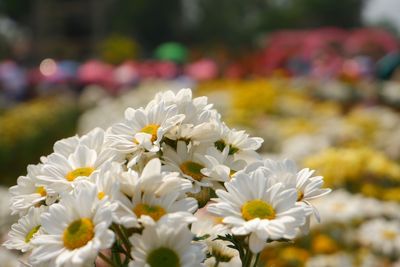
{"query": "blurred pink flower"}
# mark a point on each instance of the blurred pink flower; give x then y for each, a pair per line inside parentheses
(126, 74)
(96, 72)
(203, 69)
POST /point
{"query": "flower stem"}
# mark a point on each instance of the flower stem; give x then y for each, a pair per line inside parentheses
(116, 256)
(216, 263)
(256, 260)
(248, 258)
(107, 260)
(123, 238)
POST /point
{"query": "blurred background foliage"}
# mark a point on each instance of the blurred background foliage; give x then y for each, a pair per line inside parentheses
(234, 23)
(29, 131)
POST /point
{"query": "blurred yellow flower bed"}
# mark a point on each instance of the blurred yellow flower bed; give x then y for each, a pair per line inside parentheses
(28, 131)
(353, 144)
(359, 170)
(250, 99)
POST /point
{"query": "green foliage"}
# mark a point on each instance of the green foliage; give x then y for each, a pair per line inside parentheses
(29, 131)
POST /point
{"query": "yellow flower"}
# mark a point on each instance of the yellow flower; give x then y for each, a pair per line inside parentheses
(323, 244)
(341, 165)
(295, 126)
(294, 254)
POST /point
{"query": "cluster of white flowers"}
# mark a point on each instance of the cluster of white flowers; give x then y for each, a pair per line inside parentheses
(344, 207)
(101, 110)
(382, 235)
(128, 194)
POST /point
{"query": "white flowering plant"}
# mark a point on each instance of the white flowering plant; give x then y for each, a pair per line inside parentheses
(142, 192)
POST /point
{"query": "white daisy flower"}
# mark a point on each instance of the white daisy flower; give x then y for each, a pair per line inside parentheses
(25, 230)
(66, 146)
(193, 108)
(207, 231)
(142, 207)
(220, 166)
(164, 244)
(75, 229)
(205, 227)
(108, 186)
(60, 172)
(143, 129)
(204, 132)
(95, 139)
(308, 187)
(201, 123)
(155, 194)
(251, 207)
(107, 183)
(27, 193)
(239, 143)
(188, 161)
(153, 180)
(339, 206)
(382, 235)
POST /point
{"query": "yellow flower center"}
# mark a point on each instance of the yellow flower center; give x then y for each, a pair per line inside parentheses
(85, 171)
(78, 233)
(192, 169)
(389, 235)
(300, 195)
(163, 257)
(218, 220)
(41, 191)
(151, 129)
(257, 209)
(31, 233)
(155, 212)
(323, 244)
(101, 195)
(296, 255)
